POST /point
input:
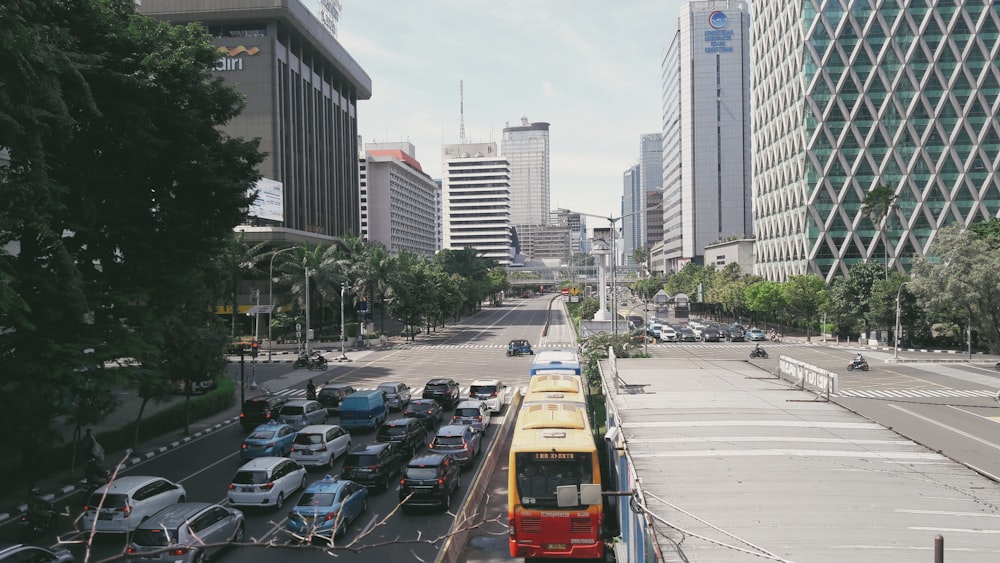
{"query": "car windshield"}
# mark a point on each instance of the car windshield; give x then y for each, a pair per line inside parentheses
(154, 537)
(391, 389)
(306, 439)
(421, 473)
(317, 499)
(483, 389)
(449, 441)
(250, 478)
(392, 432)
(468, 412)
(291, 410)
(110, 501)
(261, 435)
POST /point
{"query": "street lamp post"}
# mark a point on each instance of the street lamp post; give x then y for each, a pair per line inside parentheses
(270, 301)
(308, 348)
(343, 335)
(895, 354)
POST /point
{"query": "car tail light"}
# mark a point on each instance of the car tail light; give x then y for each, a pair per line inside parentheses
(511, 527)
(493, 394)
(479, 417)
(131, 550)
(232, 486)
(126, 510)
(440, 481)
(269, 445)
(267, 486)
(177, 551)
(245, 445)
(402, 482)
(472, 393)
(242, 415)
(330, 515)
(430, 412)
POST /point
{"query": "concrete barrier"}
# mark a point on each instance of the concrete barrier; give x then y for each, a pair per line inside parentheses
(808, 377)
(471, 511)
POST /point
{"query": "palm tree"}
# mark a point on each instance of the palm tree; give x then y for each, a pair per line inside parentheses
(878, 204)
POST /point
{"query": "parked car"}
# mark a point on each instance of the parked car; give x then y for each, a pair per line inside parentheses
(327, 507)
(127, 501)
(331, 395)
(709, 334)
(374, 465)
(474, 413)
(443, 390)
(459, 440)
(429, 480)
(364, 410)
(260, 410)
(427, 411)
(397, 393)
(319, 445)
(266, 482)
(756, 335)
(300, 413)
(195, 532)
(273, 439)
(19, 552)
(491, 391)
(668, 334)
(409, 433)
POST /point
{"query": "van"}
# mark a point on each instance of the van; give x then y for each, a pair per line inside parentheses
(364, 410)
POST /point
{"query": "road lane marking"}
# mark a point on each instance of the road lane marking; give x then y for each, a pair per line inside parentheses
(946, 427)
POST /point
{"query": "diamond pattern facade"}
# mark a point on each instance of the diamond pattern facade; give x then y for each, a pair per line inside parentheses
(849, 95)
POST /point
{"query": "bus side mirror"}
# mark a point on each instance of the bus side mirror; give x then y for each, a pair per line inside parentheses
(590, 494)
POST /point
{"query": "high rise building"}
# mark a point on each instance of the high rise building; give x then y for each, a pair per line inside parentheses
(476, 200)
(399, 201)
(302, 90)
(526, 147)
(633, 232)
(864, 95)
(706, 129)
(577, 225)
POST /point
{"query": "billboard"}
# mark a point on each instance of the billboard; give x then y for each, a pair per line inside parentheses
(269, 203)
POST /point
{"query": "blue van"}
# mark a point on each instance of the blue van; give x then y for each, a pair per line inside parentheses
(364, 410)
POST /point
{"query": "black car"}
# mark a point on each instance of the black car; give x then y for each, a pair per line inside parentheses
(736, 334)
(427, 411)
(445, 391)
(409, 433)
(331, 395)
(709, 334)
(429, 480)
(260, 410)
(374, 465)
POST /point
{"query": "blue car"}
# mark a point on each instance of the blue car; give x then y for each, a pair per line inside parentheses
(268, 440)
(327, 508)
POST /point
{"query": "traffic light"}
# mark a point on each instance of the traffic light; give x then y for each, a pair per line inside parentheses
(254, 348)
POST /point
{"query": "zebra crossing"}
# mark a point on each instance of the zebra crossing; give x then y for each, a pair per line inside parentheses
(916, 393)
(416, 393)
(665, 345)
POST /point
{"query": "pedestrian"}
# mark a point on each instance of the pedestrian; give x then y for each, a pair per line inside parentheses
(311, 391)
(94, 449)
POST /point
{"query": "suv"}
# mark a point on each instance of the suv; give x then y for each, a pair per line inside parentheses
(429, 480)
(302, 412)
(373, 465)
(396, 393)
(260, 410)
(409, 433)
(330, 396)
(475, 413)
(444, 391)
(184, 528)
(491, 391)
(266, 482)
(319, 445)
(127, 501)
(459, 440)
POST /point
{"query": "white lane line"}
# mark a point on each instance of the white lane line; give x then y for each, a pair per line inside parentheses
(946, 427)
(946, 513)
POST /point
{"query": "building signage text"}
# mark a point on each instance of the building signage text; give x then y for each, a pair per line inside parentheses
(231, 58)
(718, 37)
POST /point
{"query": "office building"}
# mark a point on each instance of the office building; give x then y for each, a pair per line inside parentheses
(476, 200)
(399, 201)
(632, 230)
(577, 225)
(540, 242)
(852, 99)
(654, 223)
(302, 90)
(526, 147)
(706, 130)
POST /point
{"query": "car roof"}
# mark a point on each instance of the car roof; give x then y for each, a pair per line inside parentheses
(336, 386)
(262, 463)
(316, 428)
(452, 430)
(272, 425)
(423, 401)
(401, 422)
(128, 483)
(391, 384)
(328, 484)
(427, 459)
(298, 402)
(485, 382)
(174, 515)
(370, 448)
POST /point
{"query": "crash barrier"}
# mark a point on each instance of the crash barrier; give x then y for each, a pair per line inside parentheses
(471, 512)
(808, 377)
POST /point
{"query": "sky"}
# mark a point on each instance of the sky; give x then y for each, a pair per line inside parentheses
(591, 69)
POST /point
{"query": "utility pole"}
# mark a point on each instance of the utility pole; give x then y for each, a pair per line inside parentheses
(243, 392)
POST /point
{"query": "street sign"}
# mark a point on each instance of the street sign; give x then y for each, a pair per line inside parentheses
(565, 291)
(298, 327)
(575, 290)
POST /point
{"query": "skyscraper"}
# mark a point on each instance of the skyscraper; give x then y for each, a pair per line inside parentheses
(476, 200)
(858, 97)
(399, 201)
(526, 147)
(633, 232)
(706, 129)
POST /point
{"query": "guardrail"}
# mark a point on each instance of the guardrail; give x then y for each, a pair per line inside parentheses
(472, 510)
(808, 377)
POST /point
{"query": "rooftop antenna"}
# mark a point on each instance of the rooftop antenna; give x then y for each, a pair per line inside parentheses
(461, 111)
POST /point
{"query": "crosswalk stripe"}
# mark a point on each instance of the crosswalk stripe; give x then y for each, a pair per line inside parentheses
(915, 393)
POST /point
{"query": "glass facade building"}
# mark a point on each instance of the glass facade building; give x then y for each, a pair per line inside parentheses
(526, 147)
(857, 94)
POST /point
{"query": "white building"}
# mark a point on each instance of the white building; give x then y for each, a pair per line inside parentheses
(399, 201)
(706, 129)
(527, 149)
(476, 204)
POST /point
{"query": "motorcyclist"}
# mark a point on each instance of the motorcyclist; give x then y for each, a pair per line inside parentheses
(757, 350)
(859, 359)
(311, 391)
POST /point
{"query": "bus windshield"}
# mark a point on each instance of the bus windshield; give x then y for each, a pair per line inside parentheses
(539, 473)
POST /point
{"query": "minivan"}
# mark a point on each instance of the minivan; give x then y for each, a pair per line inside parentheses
(127, 501)
(364, 410)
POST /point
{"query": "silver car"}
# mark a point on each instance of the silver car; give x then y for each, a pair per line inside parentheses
(266, 482)
(397, 393)
(302, 412)
(185, 528)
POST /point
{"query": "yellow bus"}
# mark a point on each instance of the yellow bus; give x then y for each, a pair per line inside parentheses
(561, 388)
(554, 504)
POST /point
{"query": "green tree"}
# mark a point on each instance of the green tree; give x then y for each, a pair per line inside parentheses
(805, 295)
(764, 297)
(851, 298)
(878, 204)
(639, 256)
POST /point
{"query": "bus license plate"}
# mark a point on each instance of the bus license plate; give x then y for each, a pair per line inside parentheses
(556, 546)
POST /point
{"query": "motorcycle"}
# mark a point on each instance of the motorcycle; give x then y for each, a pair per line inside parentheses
(39, 517)
(96, 477)
(758, 353)
(316, 361)
(855, 364)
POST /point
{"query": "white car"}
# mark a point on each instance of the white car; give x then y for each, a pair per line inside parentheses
(266, 482)
(128, 501)
(668, 334)
(491, 391)
(320, 445)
